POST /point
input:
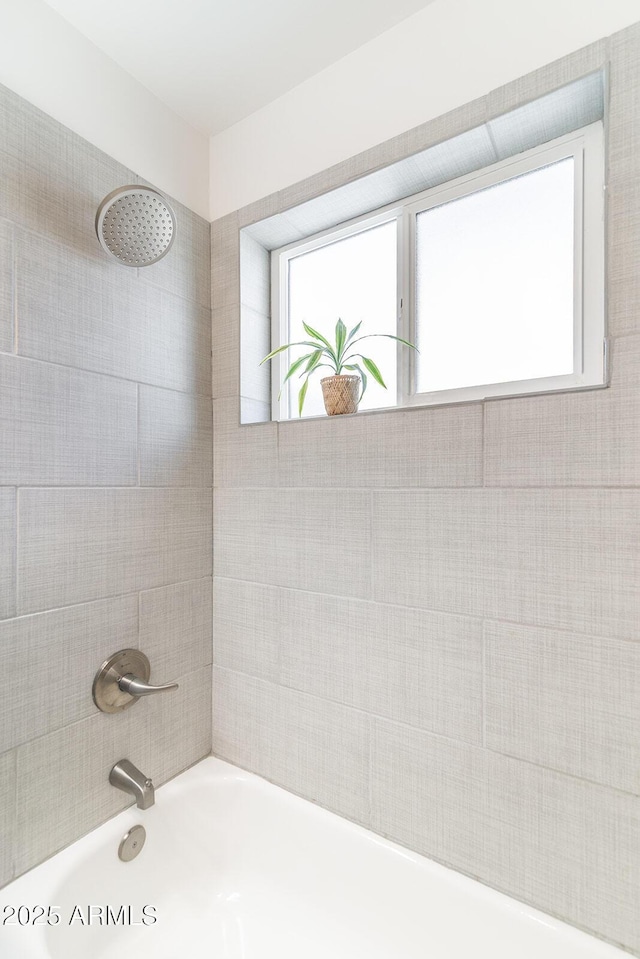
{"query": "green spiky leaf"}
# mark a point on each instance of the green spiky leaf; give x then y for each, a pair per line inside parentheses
(353, 332)
(314, 360)
(301, 395)
(375, 372)
(317, 336)
(296, 366)
(335, 354)
(364, 378)
(341, 336)
(288, 346)
(292, 369)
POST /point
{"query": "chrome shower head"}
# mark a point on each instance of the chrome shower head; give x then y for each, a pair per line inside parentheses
(136, 225)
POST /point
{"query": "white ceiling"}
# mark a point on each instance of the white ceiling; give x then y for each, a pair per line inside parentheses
(216, 61)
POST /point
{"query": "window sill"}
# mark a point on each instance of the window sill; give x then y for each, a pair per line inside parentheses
(421, 407)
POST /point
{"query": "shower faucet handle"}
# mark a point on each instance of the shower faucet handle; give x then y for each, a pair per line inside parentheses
(138, 687)
(122, 680)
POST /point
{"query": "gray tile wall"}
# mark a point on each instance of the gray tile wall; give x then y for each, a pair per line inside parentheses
(427, 620)
(105, 490)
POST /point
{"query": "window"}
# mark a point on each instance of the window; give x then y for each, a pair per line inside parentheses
(496, 276)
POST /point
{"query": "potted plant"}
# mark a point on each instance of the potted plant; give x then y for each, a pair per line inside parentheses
(341, 391)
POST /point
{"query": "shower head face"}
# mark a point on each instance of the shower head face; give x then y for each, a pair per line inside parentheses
(136, 225)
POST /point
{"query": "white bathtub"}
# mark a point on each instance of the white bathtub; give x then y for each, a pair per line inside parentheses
(235, 868)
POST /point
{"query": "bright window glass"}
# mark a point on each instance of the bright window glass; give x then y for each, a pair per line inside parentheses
(495, 283)
(354, 278)
(496, 276)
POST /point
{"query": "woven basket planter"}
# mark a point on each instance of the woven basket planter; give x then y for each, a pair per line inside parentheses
(341, 394)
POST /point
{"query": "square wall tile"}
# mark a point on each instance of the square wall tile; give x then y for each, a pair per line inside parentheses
(73, 765)
(299, 538)
(623, 224)
(60, 426)
(100, 316)
(418, 667)
(426, 447)
(175, 437)
(7, 815)
(430, 548)
(624, 90)
(226, 352)
(316, 749)
(175, 628)
(244, 454)
(569, 439)
(59, 294)
(246, 627)
(623, 240)
(556, 557)
(80, 545)
(186, 269)
(330, 452)
(429, 793)
(255, 344)
(411, 448)
(226, 372)
(8, 521)
(175, 731)
(566, 701)
(561, 844)
(565, 558)
(52, 179)
(157, 336)
(225, 263)
(326, 646)
(6, 286)
(70, 642)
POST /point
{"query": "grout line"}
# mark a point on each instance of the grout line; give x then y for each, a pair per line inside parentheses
(14, 280)
(138, 434)
(104, 599)
(443, 737)
(139, 614)
(370, 769)
(482, 618)
(94, 715)
(11, 807)
(483, 682)
(483, 451)
(108, 376)
(98, 261)
(427, 490)
(316, 697)
(114, 488)
(16, 565)
(371, 555)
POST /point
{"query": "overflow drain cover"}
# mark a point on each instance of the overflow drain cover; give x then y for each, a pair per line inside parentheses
(131, 843)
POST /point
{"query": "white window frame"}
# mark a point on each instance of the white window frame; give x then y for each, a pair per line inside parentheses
(586, 146)
(282, 405)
